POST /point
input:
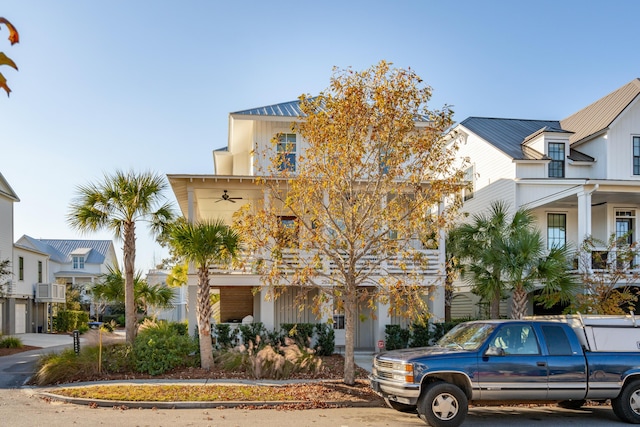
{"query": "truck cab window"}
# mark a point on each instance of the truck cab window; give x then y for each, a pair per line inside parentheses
(557, 341)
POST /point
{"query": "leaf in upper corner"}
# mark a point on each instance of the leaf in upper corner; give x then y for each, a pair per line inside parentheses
(3, 84)
(5, 60)
(14, 37)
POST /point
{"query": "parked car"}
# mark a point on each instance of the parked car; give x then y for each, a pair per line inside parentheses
(566, 359)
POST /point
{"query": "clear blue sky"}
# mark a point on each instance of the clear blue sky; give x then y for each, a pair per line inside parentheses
(149, 84)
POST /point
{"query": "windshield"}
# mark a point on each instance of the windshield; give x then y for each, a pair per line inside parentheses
(467, 336)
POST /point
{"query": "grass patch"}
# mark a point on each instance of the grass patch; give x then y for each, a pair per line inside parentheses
(10, 342)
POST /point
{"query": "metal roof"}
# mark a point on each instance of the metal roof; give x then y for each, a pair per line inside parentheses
(6, 190)
(286, 109)
(599, 115)
(507, 135)
(60, 250)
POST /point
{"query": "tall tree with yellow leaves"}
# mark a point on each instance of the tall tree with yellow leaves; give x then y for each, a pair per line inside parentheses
(4, 59)
(362, 199)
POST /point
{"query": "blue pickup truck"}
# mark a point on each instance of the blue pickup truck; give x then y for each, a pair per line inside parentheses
(560, 360)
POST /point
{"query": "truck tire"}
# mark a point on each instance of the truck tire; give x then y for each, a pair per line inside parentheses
(400, 407)
(627, 405)
(572, 404)
(443, 405)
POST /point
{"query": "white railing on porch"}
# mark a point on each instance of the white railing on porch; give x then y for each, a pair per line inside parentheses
(425, 262)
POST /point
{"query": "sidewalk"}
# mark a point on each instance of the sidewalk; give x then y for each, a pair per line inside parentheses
(46, 340)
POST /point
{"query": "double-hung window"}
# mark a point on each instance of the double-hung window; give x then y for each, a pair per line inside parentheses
(556, 230)
(78, 262)
(636, 155)
(469, 180)
(286, 148)
(556, 153)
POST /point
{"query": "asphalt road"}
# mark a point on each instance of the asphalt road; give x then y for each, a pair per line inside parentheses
(20, 407)
(23, 407)
(17, 368)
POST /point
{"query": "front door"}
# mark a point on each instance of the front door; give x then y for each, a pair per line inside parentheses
(514, 368)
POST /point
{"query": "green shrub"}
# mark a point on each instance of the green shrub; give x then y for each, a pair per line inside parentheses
(253, 333)
(325, 339)
(421, 335)
(396, 337)
(158, 349)
(301, 333)
(70, 320)
(11, 342)
(179, 328)
(225, 336)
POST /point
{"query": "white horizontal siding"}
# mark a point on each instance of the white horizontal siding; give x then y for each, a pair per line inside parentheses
(619, 144)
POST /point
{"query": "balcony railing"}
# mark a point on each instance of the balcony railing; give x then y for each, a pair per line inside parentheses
(423, 261)
(50, 292)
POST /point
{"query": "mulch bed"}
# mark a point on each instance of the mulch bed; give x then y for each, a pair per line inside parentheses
(10, 351)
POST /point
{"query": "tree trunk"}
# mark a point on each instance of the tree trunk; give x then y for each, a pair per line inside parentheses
(350, 310)
(129, 254)
(494, 308)
(519, 303)
(204, 316)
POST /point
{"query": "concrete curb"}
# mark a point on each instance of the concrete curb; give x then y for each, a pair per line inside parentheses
(49, 392)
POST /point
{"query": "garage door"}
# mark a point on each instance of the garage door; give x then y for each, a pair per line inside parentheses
(21, 318)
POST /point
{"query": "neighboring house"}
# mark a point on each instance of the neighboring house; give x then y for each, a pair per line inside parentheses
(74, 263)
(178, 313)
(217, 196)
(580, 176)
(8, 290)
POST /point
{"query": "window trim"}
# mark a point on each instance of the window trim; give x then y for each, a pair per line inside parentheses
(556, 239)
(78, 262)
(469, 193)
(557, 162)
(635, 155)
(286, 141)
(20, 268)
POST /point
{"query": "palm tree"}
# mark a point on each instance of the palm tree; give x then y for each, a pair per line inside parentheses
(507, 253)
(117, 204)
(204, 244)
(111, 288)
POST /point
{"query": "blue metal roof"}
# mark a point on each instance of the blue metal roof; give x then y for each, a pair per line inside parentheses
(507, 135)
(60, 250)
(286, 109)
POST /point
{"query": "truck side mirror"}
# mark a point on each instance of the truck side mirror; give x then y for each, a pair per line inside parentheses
(494, 351)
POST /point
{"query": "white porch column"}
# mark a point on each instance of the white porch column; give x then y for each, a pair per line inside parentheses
(267, 309)
(383, 320)
(436, 298)
(584, 214)
(192, 280)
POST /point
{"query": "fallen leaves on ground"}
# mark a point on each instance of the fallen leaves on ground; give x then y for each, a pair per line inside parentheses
(320, 392)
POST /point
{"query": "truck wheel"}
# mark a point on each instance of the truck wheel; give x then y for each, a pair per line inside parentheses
(400, 407)
(443, 405)
(627, 405)
(572, 404)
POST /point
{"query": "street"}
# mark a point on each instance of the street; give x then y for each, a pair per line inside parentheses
(21, 407)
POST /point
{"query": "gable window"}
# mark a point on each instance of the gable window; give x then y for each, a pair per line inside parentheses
(78, 262)
(39, 271)
(286, 149)
(469, 184)
(636, 155)
(556, 167)
(556, 230)
(20, 268)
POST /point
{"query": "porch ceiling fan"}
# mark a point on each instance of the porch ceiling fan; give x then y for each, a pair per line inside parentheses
(225, 197)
